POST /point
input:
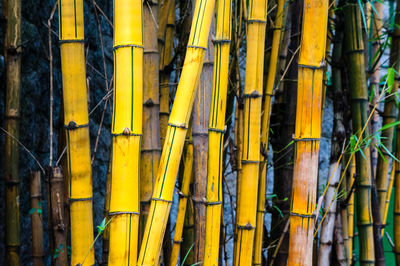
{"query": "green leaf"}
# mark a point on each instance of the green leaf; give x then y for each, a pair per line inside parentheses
(363, 15)
(389, 126)
(271, 196)
(371, 94)
(39, 211)
(380, 153)
(390, 154)
(390, 79)
(279, 210)
(187, 254)
(32, 211)
(102, 226)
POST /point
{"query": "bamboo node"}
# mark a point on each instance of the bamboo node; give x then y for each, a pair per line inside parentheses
(197, 47)
(253, 94)
(80, 199)
(216, 130)
(163, 200)
(128, 45)
(118, 213)
(73, 125)
(246, 227)
(312, 216)
(183, 125)
(61, 41)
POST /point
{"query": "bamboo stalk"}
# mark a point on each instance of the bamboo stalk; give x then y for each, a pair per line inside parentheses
(375, 23)
(350, 208)
(106, 233)
(12, 59)
(359, 107)
(175, 138)
(388, 197)
(59, 232)
(250, 158)
(337, 140)
(265, 122)
(214, 193)
(71, 34)
(150, 142)
(37, 219)
(165, 69)
(389, 116)
(339, 242)
(184, 194)
(188, 236)
(200, 118)
(126, 131)
(307, 132)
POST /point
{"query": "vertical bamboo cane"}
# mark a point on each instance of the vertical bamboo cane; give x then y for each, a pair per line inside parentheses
(12, 56)
(36, 219)
(359, 107)
(176, 132)
(389, 116)
(183, 200)
(151, 147)
(200, 118)
(339, 242)
(308, 131)
(188, 235)
(396, 214)
(268, 93)
(106, 233)
(165, 71)
(248, 187)
(56, 193)
(350, 208)
(216, 126)
(71, 33)
(126, 131)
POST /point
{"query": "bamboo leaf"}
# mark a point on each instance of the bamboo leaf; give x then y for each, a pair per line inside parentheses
(389, 126)
(390, 79)
(32, 211)
(363, 15)
(187, 254)
(380, 153)
(389, 153)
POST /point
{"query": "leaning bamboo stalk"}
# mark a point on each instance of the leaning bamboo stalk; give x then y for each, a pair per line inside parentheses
(183, 200)
(200, 122)
(266, 108)
(71, 34)
(307, 132)
(150, 143)
(188, 235)
(36, 219)
(176, 132)
(12, 58)
(59, 232)
(359, 108)
(126, 131)
(388, 197)
(214, 193)
(250, 159)
(338, 138)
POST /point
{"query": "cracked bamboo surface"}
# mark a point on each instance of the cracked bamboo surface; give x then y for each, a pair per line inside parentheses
(308, 131)
(250, 156)
(76, 120)
(126, 132)
(176, 132)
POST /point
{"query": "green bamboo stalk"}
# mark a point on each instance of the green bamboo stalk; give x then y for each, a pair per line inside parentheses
(359, 109)
(12, 57)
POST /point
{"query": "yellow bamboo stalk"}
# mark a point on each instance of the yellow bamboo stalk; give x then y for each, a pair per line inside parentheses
(248, 187)
(12, 57)
(388, 196)
(214, 194)
(308, 131)
(151, 147)
(359, 108)
(126, 131)
(350, 209)
(76, 120)
(176, 132)
(272, 72)
(183, 200)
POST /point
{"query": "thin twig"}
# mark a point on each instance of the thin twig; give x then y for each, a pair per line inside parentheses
(25, 148)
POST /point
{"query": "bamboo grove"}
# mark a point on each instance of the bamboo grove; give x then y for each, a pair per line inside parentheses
(202, 132)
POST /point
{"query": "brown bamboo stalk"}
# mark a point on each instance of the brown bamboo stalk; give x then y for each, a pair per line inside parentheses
(200, 121)
(56, 203)
(36, 219)
(341, 256)
(12, 58)
(151, 146)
